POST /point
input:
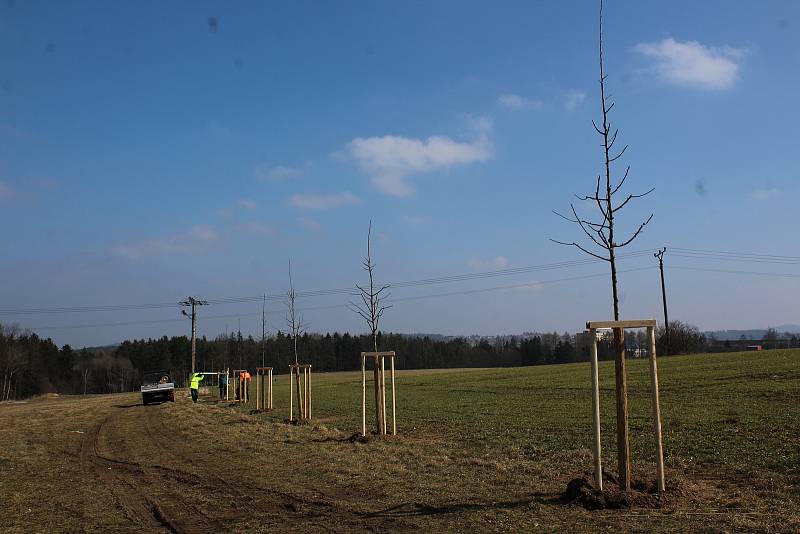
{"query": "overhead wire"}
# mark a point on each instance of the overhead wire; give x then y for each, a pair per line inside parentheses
(335, 306)
(675, 251)
(326, 292)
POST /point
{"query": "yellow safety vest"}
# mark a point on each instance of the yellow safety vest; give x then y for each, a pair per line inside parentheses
(194, 380)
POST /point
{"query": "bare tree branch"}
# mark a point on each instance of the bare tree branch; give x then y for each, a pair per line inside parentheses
(372, 308)
(294, 320)
(574, 244)
(633, 196)
(627, 170)
(638, 231)
(602, 234)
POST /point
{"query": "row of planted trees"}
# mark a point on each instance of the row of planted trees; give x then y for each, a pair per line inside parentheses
(30, 365)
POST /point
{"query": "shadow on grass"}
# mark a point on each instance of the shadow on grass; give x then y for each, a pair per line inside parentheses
(422, 509)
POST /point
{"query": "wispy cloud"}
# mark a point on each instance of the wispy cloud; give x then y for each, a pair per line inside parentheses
(254, 227)
(573, 99)
(6, 191)
(692, 64)
(767, 193)
(531, 286)
(278, 172)
(195, 241)
(498, 262)
(390, 159)
(512, 101)
(246, 203)
(321, 202)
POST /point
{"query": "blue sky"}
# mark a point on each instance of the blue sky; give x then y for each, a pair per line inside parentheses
(153, 150)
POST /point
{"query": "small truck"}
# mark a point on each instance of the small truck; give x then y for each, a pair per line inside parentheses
(157, 386)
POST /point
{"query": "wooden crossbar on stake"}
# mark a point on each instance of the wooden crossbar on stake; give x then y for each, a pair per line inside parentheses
(303, 390)
(623, 442)
(380, 391)
(263, 388)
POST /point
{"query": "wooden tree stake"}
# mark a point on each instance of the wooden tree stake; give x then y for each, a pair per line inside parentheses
(394, 401)
(379, 372)
(623, 445)
(363, 396)
(598, 462)
(651, 337)
(291, 395)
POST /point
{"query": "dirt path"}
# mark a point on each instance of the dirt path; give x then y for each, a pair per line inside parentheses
(159, 486)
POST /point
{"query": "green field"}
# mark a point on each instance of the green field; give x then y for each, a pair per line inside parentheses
(478, 449)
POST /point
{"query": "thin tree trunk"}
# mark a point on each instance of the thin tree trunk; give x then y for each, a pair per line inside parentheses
(300, 405)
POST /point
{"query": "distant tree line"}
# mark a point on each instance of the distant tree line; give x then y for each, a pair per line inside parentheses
(31, 365)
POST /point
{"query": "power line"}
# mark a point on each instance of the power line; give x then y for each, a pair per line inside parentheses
(337, 306)
(728, 271)
(350, 291)
(419, 297)
(517, 286)
(728, 253)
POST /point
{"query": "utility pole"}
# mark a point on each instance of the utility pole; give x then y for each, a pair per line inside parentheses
(660, 256)
(193, 302)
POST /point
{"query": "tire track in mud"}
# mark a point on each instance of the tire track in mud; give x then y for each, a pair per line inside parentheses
(259, 498)
(137, 508)
(151, 497)
(133, 454)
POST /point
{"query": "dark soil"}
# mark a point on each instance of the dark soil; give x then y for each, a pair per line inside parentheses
(582, 492)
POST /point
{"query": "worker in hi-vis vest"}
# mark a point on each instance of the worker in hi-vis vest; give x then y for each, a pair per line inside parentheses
(194, 383)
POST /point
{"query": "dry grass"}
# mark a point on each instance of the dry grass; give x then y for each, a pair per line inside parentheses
(479, 449)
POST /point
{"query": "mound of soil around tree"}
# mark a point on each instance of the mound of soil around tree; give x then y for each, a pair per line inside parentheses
(580, 491)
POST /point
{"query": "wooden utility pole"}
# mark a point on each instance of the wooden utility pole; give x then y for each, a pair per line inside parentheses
(193, 302)
(660, 256)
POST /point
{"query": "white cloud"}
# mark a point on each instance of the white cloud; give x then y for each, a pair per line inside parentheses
(390, 159)
(6, 191)
(573, 99)
(532, 286)
(277, 172)
(246, 203)
(498, 262)
(254, 227)
(766, 193)
(692, 64)
(321, 202)
(513, 101)
(195, 241)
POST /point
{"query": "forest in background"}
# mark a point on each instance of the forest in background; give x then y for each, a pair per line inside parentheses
(32, 365)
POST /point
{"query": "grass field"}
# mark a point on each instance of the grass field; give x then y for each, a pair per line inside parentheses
(478, 449)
